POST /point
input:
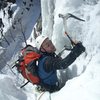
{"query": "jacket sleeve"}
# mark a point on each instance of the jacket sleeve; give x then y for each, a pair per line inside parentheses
(52, 63)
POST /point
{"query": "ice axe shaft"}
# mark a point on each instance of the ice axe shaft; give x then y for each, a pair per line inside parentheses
(65, 17)
(72, 42)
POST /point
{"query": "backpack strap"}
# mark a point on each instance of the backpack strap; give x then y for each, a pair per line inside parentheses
(27, 72)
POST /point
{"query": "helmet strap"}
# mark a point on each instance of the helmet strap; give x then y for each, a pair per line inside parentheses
(43, 49)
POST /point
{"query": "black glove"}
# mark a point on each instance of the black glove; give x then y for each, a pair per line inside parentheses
(78, 49)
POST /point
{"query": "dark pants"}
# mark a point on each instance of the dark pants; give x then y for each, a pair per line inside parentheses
(50, 88)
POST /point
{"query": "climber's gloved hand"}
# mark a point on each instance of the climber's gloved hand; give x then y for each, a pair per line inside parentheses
(78, 49)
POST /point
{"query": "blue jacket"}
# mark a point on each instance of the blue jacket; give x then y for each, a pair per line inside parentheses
(49, 78)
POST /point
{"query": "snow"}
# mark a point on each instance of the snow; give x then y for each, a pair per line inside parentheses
(8, 90)
(83, 75)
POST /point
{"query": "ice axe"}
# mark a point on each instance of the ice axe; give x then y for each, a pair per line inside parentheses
(69, 15)
(66, 17)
